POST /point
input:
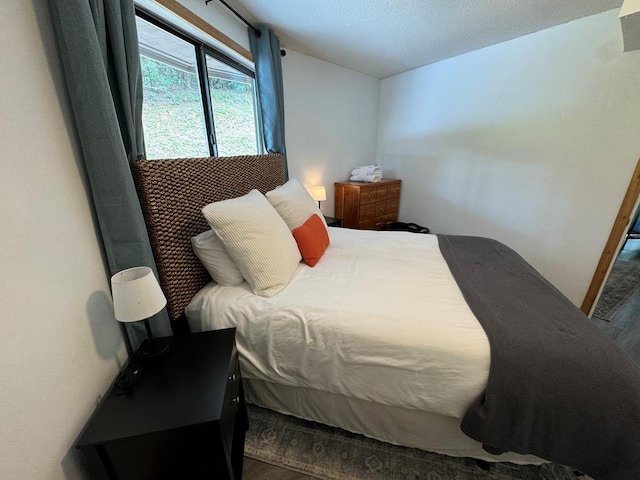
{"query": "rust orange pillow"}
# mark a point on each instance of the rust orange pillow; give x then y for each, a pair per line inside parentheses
(312, 239)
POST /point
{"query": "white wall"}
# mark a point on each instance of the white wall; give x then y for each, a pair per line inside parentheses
(331, 116)
(59, 339)
(532, 142)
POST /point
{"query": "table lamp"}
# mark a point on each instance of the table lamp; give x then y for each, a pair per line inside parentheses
(319, 194)
(138, 296)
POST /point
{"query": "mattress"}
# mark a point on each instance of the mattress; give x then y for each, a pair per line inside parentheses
(379, 318)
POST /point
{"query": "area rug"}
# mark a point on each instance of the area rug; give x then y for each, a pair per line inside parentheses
(334, 454)
(622, 284)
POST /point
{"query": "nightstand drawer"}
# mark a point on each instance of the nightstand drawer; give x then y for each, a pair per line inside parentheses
(333, 222)
(233, 381)
(231, 401)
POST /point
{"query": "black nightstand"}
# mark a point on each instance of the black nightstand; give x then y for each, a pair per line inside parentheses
(333, 222)
(186, 417)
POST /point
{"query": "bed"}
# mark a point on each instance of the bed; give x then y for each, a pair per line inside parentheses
(402, 353)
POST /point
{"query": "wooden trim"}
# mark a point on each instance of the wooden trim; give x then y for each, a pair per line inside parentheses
(198, 22)
(620, 227)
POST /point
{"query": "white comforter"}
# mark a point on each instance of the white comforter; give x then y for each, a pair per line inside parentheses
(379, 318)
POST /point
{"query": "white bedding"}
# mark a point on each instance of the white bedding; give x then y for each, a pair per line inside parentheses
(379, 318)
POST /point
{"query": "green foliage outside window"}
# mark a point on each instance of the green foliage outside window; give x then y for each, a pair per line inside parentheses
(173, 117)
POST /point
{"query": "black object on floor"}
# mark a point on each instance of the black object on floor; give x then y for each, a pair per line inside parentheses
(405, 227)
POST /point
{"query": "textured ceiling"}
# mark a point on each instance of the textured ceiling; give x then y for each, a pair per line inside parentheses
(385, 37)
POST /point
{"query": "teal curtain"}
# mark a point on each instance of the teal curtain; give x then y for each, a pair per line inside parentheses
(98, 45)
(265, 49)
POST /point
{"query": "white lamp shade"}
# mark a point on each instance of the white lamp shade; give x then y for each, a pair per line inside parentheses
(319, 194)
(136, 294)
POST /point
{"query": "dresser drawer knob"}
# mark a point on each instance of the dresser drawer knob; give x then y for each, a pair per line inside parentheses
(232, 378)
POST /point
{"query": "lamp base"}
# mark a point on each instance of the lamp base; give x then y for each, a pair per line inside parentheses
(153, 348)
(127, 378)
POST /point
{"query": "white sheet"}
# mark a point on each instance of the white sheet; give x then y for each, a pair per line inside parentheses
(379, 318)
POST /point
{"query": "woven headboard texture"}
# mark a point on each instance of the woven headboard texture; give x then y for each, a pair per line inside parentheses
(172, 194)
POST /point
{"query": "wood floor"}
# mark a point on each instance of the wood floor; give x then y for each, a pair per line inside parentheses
(255, 470)
(624, 327)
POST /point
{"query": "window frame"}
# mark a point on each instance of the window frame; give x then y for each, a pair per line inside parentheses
(201, 50)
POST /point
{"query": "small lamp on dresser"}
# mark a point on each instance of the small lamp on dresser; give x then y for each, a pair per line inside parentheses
(138, 296)
(319, 194)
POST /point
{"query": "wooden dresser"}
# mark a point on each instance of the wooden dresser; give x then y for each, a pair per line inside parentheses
(367, 205)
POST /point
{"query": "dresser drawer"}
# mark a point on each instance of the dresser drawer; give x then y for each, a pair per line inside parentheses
(381, 194)
(391, 217)
(370, 224)
(367, 211)
(381, 208)
(368, 195)
(392, 205)
(393, 190)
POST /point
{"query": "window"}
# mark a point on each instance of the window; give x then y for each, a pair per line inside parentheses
(197, 102)
(232, 102)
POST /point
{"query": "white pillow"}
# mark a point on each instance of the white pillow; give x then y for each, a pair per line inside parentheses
(294, 204)
(257, 239)
(211, 252)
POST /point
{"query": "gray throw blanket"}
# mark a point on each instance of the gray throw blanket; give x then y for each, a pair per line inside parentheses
(558, 387)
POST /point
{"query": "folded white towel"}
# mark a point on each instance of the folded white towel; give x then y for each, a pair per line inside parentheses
(367, 170)
(366, 178)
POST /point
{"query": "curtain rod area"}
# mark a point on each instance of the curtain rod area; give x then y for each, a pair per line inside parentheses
(257, 32)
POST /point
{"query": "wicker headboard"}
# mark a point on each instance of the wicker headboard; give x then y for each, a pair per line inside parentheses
(172, 194)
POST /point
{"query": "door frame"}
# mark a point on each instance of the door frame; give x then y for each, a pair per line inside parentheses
(620, 228)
